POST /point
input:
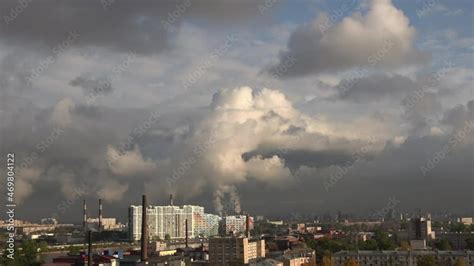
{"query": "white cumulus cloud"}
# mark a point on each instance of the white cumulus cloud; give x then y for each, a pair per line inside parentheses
(381, 37)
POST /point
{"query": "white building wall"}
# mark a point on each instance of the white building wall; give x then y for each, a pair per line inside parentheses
(170, 220)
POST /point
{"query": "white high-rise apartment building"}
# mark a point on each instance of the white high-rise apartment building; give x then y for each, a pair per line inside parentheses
(211, 225)
(236, 223)
(170, 220)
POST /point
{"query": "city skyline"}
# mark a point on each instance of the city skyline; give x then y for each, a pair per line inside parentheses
(274, 108)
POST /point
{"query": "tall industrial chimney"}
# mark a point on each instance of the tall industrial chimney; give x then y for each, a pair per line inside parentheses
(171, 199)
(89, 248)
(84, 215)
(186, 228)
(100, 215)
(144, 240)
(247, 225)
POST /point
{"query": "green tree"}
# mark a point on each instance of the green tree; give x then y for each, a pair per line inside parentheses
(436, 224)
(369, 244)
(332, 245)
(28, 254)
(470, 243)
(311, 243)
(4, 260)
(443, 244)
(403, 225)
(384, 241)
(167, 237)
(75, 250)
(426, 261)
(458, 227)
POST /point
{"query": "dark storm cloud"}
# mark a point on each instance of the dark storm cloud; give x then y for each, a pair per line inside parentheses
(374, 88)
(14, 71)
(142, 26)
(66, 155)
(368, 185)
(398, 171)
(93, 85)
(296, 158)
(126, 26)
(459, 115)
(89, 111)
(423, 113)
(394, 172)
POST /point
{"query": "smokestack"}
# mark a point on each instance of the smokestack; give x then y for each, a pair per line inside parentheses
(84, 216)
(100, 215)
(144, 242)
(247, 225)
(89, 248)
(186, 228)
(171, 199)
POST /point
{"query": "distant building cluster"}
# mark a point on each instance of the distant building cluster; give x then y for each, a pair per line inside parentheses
(186, 235)
(49, 221)
(27, 228)
(109, 224)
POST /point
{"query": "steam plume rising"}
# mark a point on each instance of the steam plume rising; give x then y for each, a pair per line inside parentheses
(232, 204)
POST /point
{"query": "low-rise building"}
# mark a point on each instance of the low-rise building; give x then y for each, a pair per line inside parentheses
(458, 240)
(418, 244)
(155, 246)
(102, 260)
(235, 250)
(298, 257)
(267, 262)
(401, 258)
(41, 228)
(49, 221)
(465, 220)
(276, 222)
(107, 223)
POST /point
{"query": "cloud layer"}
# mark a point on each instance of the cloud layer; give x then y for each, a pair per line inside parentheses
(246, 136)
(105, 106)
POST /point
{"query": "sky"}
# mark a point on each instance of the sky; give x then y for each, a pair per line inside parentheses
(270, 106)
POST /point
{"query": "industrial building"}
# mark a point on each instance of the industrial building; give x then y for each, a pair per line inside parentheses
(106, 223)
(100, 223)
